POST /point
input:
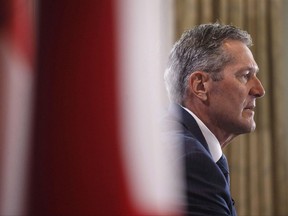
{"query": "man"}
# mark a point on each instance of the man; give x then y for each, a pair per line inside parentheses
(212, 84)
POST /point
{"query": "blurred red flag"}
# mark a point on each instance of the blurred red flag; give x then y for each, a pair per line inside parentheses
(16, 84)
(76, 162)
(88, 135)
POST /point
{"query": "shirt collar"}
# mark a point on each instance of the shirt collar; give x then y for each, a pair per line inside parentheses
(212, 141)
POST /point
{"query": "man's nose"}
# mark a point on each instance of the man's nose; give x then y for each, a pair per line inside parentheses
(257, 89)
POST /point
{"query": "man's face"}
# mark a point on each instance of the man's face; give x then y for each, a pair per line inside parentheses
(232, 100)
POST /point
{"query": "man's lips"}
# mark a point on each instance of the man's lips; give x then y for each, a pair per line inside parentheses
(252, 107)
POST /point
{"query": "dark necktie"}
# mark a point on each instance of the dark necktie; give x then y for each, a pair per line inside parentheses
(223, 165)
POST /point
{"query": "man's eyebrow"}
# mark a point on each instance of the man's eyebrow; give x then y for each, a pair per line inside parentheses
(253, 70)
(250, 69)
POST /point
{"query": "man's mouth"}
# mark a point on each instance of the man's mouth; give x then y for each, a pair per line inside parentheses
(252, 107)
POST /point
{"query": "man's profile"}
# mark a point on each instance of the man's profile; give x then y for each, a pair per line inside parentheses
(212, 84)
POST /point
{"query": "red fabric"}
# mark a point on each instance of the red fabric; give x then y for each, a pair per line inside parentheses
(21, 28)
(76, 162)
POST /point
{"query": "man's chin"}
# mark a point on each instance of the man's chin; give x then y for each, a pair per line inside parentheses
(248, 127)
(252, 127)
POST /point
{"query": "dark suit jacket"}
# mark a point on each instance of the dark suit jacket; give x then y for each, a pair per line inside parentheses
(206, 190)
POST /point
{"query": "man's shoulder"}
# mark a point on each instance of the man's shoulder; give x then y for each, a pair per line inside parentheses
(175, 119)
(178, 123)
(182, 132)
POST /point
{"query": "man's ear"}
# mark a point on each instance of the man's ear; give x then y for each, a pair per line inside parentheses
(198, 84)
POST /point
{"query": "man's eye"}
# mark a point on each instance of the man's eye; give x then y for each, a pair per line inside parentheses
(247, 75)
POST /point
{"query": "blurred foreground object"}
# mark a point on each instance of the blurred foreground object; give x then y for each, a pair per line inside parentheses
(83, 156)
(16, 84)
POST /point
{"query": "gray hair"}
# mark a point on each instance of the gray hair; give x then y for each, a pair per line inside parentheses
(200, 49)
